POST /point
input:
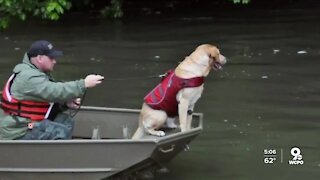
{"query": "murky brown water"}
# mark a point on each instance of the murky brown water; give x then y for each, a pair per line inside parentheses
(267, 96)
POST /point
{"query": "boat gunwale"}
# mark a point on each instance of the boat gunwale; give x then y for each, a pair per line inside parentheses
(107, 141)
(59, 170)
(101, 141)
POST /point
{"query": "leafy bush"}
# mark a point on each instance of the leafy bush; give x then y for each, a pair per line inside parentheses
(53, 9)
(241, 1)
(114, 10)
(46, 9)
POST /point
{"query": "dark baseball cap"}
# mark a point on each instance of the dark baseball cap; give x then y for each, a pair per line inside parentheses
(43, 47)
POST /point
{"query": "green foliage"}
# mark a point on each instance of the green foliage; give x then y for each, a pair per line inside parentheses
(114, 10)
(240, 1)
(46, 9)
(53, 9)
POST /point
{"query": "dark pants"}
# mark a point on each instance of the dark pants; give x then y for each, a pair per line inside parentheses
(60, 128)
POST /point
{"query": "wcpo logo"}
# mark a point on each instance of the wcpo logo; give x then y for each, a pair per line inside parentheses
(297, 157)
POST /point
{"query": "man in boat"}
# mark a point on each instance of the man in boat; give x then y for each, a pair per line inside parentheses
(32, 102)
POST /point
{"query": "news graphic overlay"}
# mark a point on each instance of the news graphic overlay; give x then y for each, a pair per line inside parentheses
(297, 156)
(270, 156)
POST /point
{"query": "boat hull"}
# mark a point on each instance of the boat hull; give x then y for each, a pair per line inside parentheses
(112, 154)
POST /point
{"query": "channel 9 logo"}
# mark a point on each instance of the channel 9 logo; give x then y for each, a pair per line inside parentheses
(297, 157)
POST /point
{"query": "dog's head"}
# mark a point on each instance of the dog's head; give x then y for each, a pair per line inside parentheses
(212, 56)
(200, 62)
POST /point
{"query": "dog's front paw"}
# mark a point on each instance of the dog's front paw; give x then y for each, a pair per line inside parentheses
(160, 133)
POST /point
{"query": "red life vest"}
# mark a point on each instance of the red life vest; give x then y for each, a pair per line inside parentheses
(33, 110)
(163, 96)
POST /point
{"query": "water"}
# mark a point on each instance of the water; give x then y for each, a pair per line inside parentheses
(266, 97)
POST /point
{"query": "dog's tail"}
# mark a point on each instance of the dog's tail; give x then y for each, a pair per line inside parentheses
(139, 133)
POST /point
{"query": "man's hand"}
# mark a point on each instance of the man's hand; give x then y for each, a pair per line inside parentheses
(74, 103)
(93, 80)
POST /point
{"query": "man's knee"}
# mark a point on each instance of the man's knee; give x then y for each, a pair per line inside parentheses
(57, 130)
(66, 120)
(62, 133)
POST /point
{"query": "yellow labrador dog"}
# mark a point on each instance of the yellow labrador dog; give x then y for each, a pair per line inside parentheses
(178, 92)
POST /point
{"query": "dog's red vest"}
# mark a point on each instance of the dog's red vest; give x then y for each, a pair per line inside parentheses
(163, 96)
(33, 110)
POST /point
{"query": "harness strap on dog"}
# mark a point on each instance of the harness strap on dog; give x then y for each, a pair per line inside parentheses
(163, 96)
